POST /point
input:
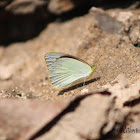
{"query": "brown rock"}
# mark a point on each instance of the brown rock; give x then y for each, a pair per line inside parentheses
(19, 120)
(94, 116)
(123, 90)
(62, 6)
(132, 131)
(6, 72)
(106, 22)
(134, 34)
(24, 6)
(1, 52)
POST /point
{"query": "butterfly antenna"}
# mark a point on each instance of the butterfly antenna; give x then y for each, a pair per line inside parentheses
(97, 59)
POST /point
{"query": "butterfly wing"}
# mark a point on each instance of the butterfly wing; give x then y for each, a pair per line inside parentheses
(66, 71)
(51, 57)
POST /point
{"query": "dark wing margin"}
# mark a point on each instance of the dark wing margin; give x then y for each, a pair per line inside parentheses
(53, 56)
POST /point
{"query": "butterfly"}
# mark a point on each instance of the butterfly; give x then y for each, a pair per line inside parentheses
(66, 70)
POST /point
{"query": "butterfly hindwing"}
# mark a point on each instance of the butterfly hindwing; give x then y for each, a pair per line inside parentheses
(64, 71)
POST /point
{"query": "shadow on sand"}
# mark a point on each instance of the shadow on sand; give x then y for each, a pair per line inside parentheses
(78, 85)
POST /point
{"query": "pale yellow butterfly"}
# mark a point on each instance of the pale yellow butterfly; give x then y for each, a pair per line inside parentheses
(66, 70)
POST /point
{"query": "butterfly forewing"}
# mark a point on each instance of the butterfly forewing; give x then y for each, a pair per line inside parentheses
(51, 57)
(65, 71)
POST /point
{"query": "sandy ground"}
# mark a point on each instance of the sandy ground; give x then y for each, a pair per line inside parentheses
(24, 69)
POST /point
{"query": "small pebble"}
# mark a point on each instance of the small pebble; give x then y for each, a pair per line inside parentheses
(84, 91)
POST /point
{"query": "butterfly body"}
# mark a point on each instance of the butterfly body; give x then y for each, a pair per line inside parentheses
(66, 70)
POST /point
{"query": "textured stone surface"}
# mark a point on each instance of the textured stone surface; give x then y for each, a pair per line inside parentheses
(135, 34)
(26, 117)
(85, 122)
(123, 90)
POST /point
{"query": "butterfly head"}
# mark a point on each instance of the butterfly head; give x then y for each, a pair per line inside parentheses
(93, 68)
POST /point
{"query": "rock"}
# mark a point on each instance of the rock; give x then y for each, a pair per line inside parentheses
(24, 6)
(124, 16)
(94, 116)
(133, 131)
(21, 19)
(134, 34)
(123, 91)
(61, 6)
(26, 117)
(1, 52)
(6, 72)
(106, 22)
